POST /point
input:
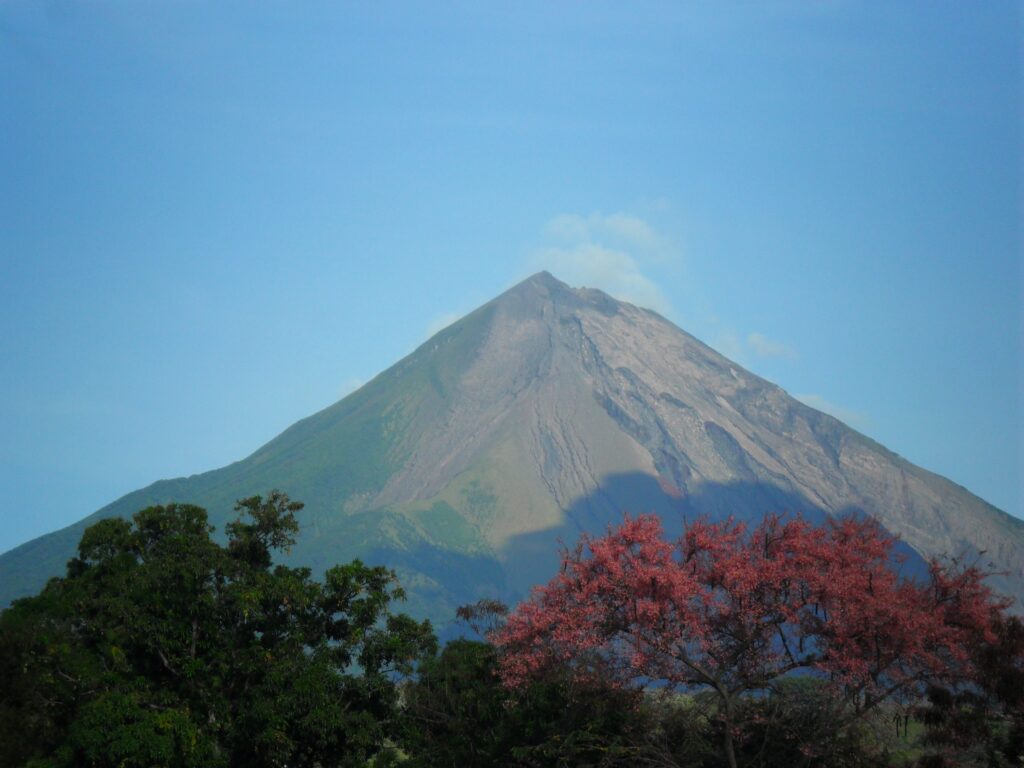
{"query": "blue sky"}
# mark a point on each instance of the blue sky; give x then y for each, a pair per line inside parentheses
(217, 218)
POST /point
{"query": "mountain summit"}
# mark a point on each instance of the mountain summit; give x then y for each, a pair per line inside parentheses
(545, 413)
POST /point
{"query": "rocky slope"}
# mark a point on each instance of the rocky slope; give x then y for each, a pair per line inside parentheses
(544, 413)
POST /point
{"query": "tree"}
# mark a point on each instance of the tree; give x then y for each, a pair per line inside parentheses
(161, 647)
(799, 724)
(735, 610)
(457, 712)
(979, 719)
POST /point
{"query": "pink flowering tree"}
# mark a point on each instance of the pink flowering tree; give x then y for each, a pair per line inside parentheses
(733, 609)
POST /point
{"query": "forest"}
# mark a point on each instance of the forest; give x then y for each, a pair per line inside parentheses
(777, 644)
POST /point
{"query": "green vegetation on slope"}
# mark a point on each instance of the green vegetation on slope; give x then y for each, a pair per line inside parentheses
(335, 460)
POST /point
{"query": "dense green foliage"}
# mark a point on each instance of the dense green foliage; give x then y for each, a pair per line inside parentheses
(161, 647)
(980, 720)
(458, 713)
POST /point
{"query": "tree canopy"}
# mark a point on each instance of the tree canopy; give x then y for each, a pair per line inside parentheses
(734, 610)
(162, 647)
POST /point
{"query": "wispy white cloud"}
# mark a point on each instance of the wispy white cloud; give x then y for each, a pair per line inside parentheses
(615, 272)
(744, 350)
(568, 226)
(607, 252)
(616, 230)
(441, 322)
(762, 346)
(856, 419)
(350, 386)
(636, 232)
(728, 343)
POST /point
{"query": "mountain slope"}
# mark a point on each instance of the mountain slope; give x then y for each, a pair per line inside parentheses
(544, 413)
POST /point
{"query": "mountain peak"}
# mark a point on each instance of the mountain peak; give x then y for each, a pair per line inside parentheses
(543, 288)
(530, 296)
(545, 278)
(541, 284)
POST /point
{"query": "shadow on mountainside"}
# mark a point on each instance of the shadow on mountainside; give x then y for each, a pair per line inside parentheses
(439, 579)
(533, 558)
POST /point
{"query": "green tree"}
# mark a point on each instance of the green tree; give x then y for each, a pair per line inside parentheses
(801, 723)
(457, 713)
(160, 647)
(979, 720)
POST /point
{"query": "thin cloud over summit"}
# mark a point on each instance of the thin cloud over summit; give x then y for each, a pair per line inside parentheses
(609, 252)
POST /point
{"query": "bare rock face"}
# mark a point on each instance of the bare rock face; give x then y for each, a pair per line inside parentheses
(545, 413)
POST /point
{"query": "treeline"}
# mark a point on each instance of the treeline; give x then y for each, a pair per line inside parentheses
(786, 645)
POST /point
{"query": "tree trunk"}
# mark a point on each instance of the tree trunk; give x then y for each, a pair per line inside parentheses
(730, 753)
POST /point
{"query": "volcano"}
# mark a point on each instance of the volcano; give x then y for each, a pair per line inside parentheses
(545, 413)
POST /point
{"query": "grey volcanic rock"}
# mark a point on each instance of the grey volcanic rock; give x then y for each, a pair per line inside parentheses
(547, 412)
